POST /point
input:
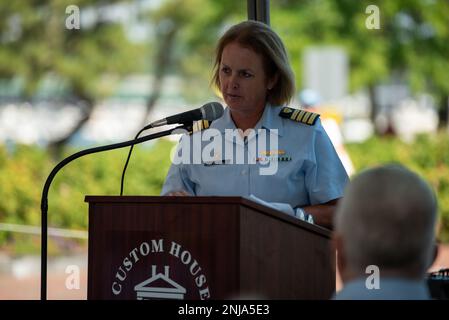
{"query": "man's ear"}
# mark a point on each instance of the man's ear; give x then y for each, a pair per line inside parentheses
(435, 251)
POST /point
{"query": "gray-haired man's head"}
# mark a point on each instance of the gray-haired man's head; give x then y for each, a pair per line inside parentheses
(387, 218)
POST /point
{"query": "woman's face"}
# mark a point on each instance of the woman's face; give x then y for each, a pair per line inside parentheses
(243, 81)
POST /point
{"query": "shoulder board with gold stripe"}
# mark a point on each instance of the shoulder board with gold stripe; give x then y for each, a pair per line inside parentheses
(299, 115)
(200, 125)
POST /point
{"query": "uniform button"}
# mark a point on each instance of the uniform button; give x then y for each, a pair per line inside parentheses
(243, 172)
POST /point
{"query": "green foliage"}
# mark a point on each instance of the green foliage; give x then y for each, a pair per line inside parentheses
(19, 174)
(35, 45)
(199, 24)
(428, 156)
(416, 52)
(23, 173)
(413, 39)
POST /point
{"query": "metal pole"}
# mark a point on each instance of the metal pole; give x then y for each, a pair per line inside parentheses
(251, 9)
(59, 166)
(259, 10)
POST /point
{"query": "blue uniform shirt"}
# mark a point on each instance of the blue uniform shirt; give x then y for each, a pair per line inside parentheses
(390, 288)
(309, 171)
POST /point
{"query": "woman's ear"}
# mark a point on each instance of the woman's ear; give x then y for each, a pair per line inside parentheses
(272, 82)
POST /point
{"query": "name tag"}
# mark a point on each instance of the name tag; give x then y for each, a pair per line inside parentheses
(264, 160)
(216, 162)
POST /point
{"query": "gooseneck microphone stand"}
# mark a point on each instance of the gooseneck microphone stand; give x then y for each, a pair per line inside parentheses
(59, 166)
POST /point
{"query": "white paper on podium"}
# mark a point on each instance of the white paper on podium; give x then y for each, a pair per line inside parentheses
(284, 207)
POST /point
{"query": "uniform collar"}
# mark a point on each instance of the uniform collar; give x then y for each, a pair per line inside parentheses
(269, 120)
(224, 122)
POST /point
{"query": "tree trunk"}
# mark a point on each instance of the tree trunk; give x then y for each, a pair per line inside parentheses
(56, 147)
(161, 63)
(443, 111)
(373, 102)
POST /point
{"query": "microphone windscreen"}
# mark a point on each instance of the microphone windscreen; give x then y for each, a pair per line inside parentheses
(212, 111)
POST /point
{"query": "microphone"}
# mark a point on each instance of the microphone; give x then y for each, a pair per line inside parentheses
(59, 166)
(210, 111)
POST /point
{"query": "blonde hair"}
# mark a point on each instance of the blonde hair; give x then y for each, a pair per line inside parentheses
(263, 40)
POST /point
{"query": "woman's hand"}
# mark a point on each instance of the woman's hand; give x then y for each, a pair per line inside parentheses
(180, 193)
(323, 213)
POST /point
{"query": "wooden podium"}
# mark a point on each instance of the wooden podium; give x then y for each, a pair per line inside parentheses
(194, 248)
